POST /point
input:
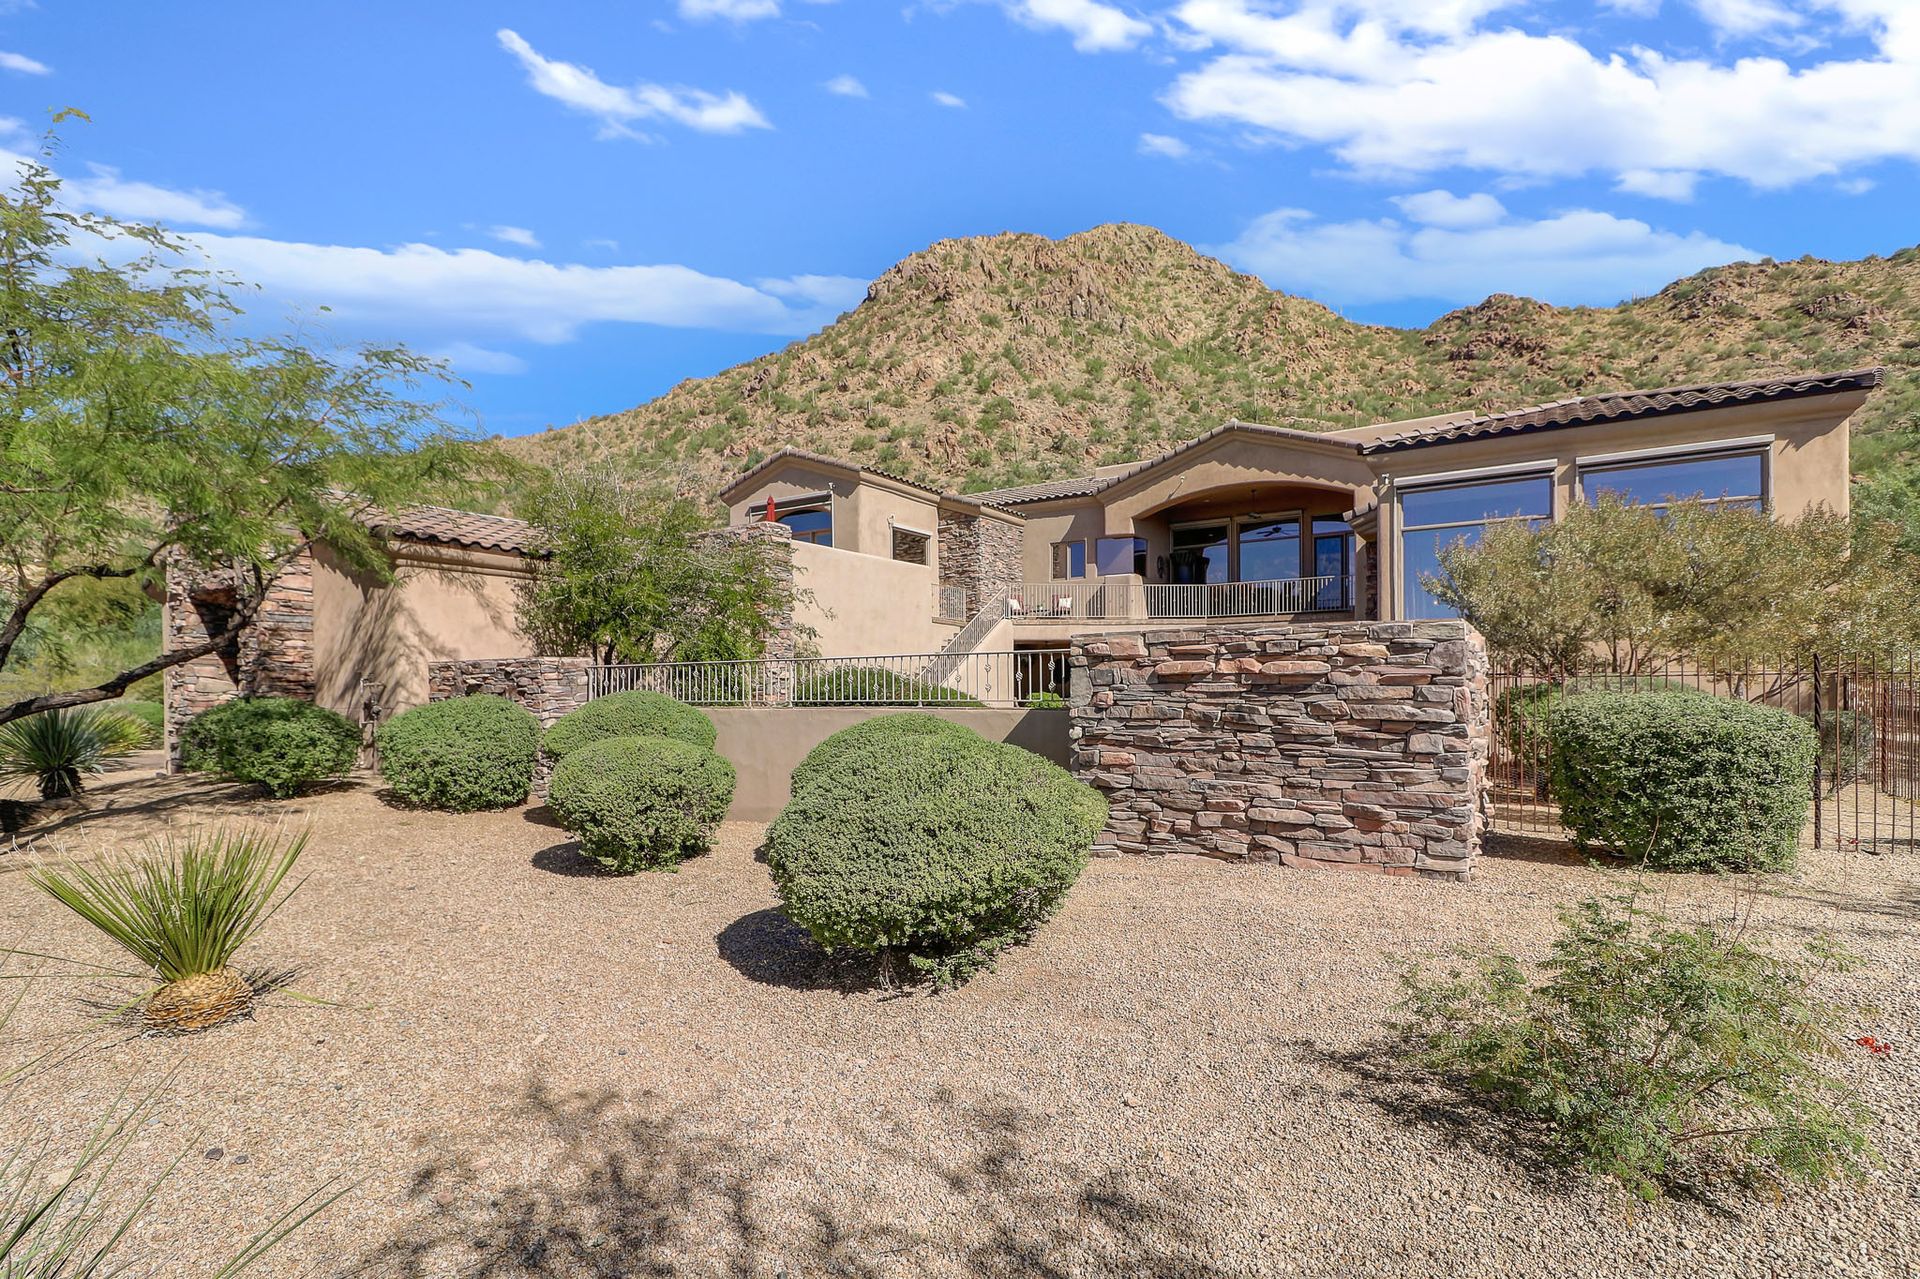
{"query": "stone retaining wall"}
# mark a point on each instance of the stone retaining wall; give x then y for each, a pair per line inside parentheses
(272, 656)
(1356, 745)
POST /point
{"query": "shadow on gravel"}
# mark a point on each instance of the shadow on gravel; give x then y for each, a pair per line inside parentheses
(1416, 1098)
(566, 859)
(769, 948)
(611, 1184)
(537, 814)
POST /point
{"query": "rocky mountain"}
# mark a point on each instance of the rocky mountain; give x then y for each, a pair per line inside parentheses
(1009, 358)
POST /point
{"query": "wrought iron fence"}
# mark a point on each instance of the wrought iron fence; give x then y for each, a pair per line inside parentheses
(1027, 677)
(1866, 779)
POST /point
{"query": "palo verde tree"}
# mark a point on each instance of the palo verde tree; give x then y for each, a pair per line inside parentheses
(139, 428)
(1620, 589)
(632, 574)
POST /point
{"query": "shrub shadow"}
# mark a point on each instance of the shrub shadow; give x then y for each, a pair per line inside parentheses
(536, 813)
(768, 948)
(627, 1185)
(566, 859)
(1388, 1079)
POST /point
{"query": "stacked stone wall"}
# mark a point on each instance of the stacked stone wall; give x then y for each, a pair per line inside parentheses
(979, 556)
(272, 656)
(1355, 745)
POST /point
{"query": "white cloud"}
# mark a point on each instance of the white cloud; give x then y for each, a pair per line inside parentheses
(1578, 257)
(467, 357)
(617, 107)
(731, 10)
(1095, 27)
(103, 190)
(1633, 8)
(946, 99)
(1669, 185)
(836, 293)
(1162, 145)
(1398, 87)
(515, 235)
(1455, 212)
(23, 64)
(847, 87)
(611, 246)
(1747, 17)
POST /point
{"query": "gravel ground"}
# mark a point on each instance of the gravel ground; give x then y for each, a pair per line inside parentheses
(530, 1070)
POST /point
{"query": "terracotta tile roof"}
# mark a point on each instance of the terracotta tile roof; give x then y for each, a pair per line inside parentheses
(1623, 406)
(1077, 487)
(459, 528)
(821, 459)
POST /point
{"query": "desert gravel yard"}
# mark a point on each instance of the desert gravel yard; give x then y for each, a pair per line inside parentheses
(527, 1069)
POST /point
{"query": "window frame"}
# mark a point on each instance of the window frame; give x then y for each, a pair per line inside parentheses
(1062, 556)
(1718, 450)
(1545, 470)
(1138, 558)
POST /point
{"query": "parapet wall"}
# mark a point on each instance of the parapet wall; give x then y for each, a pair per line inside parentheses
(1353, 745)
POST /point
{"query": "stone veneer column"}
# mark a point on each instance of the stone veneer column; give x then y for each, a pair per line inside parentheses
(979, 555)
(1355, 745)
(774, 542)
(272, 656)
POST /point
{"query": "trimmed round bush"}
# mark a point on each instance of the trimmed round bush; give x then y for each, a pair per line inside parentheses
(1682, 780)
(938, 849)
(627, 715)
(901, 726)
(641, 803)
(280, 742)
(461, 755)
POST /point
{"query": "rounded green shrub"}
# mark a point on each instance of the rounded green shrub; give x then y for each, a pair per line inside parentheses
(626, 715)
(280, 742)
(900, 726)
(641, 803)
(1682, 780)
(461, 755)
(935, 848)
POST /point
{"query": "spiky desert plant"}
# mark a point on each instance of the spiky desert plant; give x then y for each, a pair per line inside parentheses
(59, 750)
(182, 907)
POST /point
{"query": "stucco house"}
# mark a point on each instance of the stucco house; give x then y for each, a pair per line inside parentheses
(1271, 523)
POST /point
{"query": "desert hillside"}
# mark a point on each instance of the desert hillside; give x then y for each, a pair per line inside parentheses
(1002, 359)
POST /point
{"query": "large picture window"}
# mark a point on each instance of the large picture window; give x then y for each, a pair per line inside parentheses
(1269, 549)
(1432, 519)
(1199, 555)
(1723, 479)
(1114, 556)
(814, 524)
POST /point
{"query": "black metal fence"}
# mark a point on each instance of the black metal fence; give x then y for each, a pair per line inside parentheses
(1866, 781)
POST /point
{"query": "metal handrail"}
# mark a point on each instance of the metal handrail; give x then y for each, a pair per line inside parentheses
(1124, 599)
(899, 679)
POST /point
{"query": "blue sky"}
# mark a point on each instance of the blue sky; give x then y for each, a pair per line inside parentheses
(581, 204)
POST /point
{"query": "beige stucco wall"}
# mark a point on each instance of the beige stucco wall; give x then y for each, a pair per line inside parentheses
(862, 505)
(442, 604)
(1809, 463)
(865, 606)
(765, 743)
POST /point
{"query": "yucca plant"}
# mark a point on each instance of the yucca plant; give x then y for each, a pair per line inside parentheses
(182, 907)
(59, 750)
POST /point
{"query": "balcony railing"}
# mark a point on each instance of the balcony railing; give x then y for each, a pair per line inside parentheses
(1029, 677)
(1125, 600)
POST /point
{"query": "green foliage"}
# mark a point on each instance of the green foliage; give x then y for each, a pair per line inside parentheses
(929, 846)
(1649, 1051)
(141, 422)
(86, 630)
(883, 732)
(1683, 780)
(1045, 701)
(151, 716)
(185, 905)
(633, 714)
(280, 742)
(462, 755)
(630, 576)
(1621, 588)
(874, 686)
(58, 750)
(641, 803)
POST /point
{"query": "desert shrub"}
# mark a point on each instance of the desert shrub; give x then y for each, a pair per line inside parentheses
(641, 803)
(874, 686)
(934, 849)
(151, 716)
(182, 908)
(882, 729)
(462, 754)
(58, 750)
(280, 742)
(633, 714)
(1684, 780)
(1648, 1050)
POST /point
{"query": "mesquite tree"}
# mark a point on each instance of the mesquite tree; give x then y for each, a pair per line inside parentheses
(139, 427)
